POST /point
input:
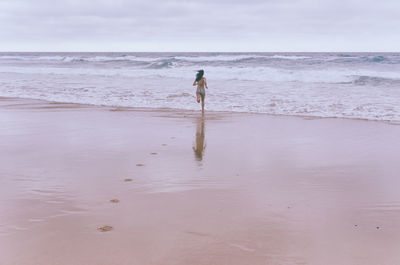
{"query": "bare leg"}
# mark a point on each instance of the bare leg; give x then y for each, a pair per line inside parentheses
(198, 97)
(202, 103)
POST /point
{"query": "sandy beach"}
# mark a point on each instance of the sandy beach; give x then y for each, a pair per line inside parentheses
(87, 185)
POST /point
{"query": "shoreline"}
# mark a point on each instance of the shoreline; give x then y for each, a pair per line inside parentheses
(144, 109)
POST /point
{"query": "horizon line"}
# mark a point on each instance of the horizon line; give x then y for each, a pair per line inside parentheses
(22, 51)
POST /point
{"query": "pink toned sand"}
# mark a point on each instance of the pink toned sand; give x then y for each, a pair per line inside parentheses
(222, 188)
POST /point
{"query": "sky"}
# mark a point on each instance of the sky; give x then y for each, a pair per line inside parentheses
(202, 25)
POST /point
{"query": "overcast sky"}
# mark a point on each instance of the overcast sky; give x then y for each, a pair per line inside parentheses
(202, 25)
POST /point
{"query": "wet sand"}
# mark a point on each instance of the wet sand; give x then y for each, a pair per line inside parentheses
(97, 185)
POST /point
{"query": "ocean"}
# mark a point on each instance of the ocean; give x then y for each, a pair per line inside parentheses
(345, 85)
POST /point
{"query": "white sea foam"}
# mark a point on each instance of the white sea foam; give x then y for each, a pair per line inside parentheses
(338, 75)
(288, 57)
(226, 58)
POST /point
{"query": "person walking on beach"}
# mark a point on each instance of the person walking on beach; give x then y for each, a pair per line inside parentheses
(201, 82)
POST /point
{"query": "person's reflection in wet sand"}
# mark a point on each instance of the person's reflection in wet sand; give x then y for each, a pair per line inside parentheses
(200, 145)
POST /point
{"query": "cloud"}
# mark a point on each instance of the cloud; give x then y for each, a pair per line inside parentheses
(199, 25)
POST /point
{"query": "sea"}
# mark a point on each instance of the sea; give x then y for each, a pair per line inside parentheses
(343, 85)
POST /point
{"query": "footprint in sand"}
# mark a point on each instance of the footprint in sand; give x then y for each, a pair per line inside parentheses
(164, 144)
(139, 165)
(127, 179)
(105, 228)
(114, 201)
(154, 153)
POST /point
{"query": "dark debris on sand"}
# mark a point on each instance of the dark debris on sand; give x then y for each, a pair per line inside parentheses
(105, 228)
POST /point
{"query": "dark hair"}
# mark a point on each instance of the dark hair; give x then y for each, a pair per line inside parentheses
(199, 75)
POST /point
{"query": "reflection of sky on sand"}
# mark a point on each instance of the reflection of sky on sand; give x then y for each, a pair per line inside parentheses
(34, 197)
